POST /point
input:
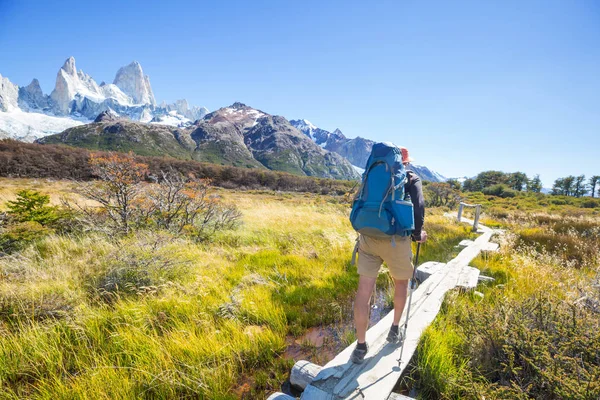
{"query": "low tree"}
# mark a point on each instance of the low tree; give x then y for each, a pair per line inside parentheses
(173, 202)
(32, 206)
(594, 180)
(441, 194)
(534, 185)
(454, 184)
(489, 178)
(517, 180)
(178, 204)
(579, 186)
(469, 185)
(119, 186)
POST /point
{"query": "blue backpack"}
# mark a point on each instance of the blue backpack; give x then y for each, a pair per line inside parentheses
(380, 208)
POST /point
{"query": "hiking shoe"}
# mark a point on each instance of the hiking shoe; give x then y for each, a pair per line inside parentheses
(394, 335)
(358, 355)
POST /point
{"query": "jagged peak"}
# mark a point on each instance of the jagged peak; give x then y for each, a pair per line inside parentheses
(238, 106)
(69, 66)
(132, 81)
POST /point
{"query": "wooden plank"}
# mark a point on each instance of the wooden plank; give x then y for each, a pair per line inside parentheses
(303, 373)
(491, 247)
(280, 396)
(427, 269)
(465, 243)
(377, 376)
(468, 278)
(483, 278)
(313, 393)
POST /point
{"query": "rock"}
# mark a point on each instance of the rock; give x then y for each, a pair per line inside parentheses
(9, 94)
(132, 81)
(108, 115)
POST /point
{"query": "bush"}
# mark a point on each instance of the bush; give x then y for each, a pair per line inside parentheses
(590, 203)
(19, 235)
(140, 266)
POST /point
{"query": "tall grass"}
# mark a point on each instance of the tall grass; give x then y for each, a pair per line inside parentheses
(153, 315)
(536, 331)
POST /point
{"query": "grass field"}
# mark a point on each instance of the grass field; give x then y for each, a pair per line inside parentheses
(535, 334)
(212, 319)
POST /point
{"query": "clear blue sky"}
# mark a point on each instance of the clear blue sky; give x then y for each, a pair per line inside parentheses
(465, 85)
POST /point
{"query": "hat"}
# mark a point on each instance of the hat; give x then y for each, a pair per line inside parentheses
(406, 158)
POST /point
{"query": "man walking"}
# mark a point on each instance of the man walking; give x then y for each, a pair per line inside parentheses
(394, 250)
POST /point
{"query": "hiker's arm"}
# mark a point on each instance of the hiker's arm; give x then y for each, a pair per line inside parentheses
(416, 196)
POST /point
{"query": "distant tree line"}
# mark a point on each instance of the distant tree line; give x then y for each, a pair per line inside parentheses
(507, 184)
(576, 186)
(32, 160)
(502, 184)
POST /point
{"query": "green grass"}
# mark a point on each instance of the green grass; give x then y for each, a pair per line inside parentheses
(536, 331)
(159, 316)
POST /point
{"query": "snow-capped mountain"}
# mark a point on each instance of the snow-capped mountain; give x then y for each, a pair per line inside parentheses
(26, 113)
(356, 150)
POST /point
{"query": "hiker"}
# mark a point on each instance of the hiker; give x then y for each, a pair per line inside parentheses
(375, 246)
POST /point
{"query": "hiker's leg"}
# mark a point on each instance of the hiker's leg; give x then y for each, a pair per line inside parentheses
(400, 291)
(361, 306)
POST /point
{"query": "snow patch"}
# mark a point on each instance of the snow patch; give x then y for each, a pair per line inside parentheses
(359, 169)
(172, 119)
(28, 126)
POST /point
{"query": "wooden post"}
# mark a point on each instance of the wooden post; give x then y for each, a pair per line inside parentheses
(460, 210)
(303, 373)
(476, 221)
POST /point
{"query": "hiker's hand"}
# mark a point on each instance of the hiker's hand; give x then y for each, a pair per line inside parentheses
(423, 237)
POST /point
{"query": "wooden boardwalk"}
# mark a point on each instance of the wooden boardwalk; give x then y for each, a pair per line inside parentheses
(376, 377)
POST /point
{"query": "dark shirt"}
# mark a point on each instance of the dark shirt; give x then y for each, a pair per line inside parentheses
(414, 189)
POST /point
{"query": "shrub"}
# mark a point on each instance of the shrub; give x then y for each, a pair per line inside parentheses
(500, 190)
(139, 267)
(174, 202)
(32, 206)
(590, 203)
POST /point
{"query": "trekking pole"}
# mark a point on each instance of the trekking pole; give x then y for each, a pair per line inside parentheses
(411, 286)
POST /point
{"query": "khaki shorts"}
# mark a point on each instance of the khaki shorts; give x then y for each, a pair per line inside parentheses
(372, 252)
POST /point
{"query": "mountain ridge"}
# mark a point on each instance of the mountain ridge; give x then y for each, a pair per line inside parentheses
(355, 150)
(237, 135)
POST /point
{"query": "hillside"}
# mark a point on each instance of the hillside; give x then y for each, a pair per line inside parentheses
(237, 135)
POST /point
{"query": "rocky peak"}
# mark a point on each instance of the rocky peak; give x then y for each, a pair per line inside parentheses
(238, 106)
(338, 134)
(108, 115)
(69, 83)
(69, 66)
(9, 94)
(32, 97)
(132, 81)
